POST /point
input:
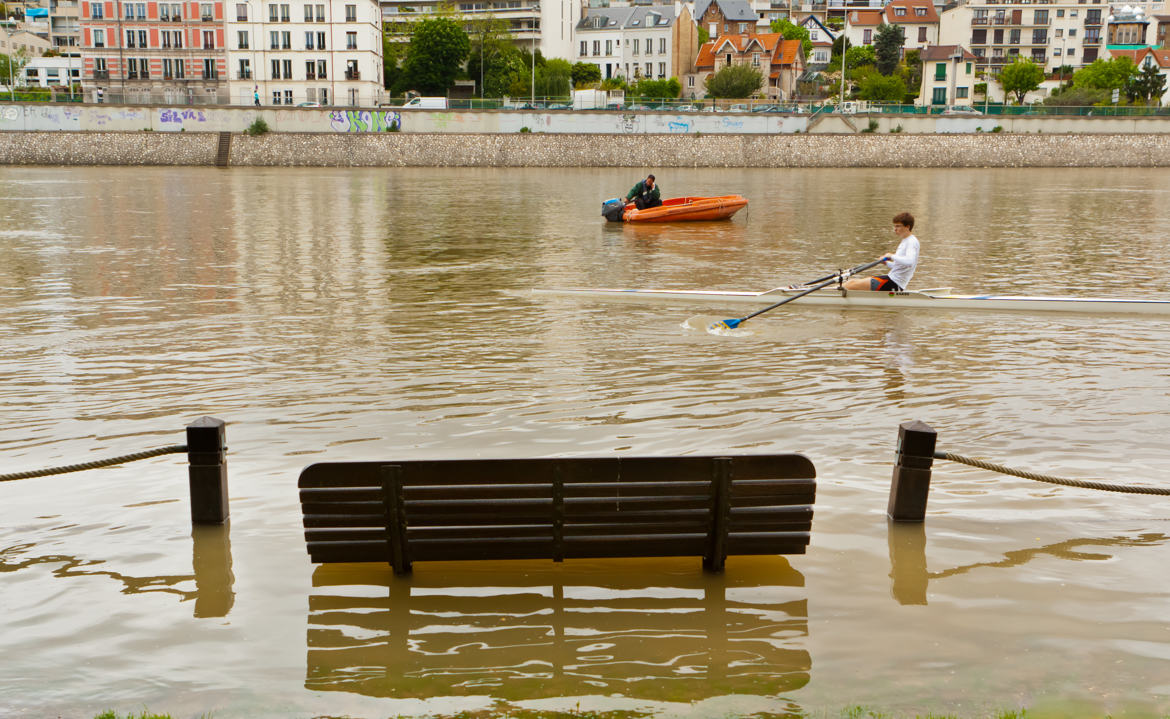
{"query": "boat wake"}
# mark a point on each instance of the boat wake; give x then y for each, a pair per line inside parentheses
(713, 324)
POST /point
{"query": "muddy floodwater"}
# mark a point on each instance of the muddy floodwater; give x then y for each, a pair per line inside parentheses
(386, 314)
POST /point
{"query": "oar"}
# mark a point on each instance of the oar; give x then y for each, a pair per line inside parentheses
(844, 274)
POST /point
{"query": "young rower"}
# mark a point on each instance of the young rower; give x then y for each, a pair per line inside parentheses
(902, 261)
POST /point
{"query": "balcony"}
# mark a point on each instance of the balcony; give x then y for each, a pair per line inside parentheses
(244, 75)
(353, 75)
(101, 74)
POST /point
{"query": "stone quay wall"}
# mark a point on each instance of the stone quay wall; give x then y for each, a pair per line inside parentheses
(588, 150)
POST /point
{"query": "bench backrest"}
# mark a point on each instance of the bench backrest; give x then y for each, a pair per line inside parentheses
(553, 508)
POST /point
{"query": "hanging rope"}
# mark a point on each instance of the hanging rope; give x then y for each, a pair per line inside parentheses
(173, 449)
(1084, 484)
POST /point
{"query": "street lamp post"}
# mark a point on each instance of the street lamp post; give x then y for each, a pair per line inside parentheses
(844, 52)
(534, 22)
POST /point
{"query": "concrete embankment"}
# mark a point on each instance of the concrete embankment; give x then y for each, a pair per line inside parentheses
(588, 150)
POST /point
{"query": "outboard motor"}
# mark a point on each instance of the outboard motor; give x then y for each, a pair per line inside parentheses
(613, 210)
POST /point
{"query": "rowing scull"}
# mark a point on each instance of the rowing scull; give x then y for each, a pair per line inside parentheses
(923, 299)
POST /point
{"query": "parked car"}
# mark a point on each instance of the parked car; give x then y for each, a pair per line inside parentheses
(767, 108)
(685, 108)
(739, 108)
(961, 111)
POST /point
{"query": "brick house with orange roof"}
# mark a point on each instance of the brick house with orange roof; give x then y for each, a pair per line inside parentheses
(1149, 57)
(779, 61)
(917, 18)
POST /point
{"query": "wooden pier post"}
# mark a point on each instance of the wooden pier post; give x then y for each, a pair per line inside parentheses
(911, 481)
(207, 457)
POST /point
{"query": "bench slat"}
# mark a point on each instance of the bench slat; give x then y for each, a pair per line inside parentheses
(771, 487)
(345, 520)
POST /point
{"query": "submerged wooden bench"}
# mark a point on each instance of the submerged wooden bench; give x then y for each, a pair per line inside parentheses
(557, 508)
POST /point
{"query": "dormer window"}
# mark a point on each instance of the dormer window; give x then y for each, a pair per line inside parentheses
(920, 11)
(900, 11)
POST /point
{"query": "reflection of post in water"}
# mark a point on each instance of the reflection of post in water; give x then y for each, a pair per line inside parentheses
(909, 576)
(212, 561)
(211, 558)
(653, 629)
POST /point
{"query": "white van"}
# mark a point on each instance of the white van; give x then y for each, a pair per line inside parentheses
(428, 103)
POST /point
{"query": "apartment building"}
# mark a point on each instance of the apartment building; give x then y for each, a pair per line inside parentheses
(322, 52)
(153, 52)
(1052, 34)
(655, 42)
(65, 26)
(948, 76)
(918, 19)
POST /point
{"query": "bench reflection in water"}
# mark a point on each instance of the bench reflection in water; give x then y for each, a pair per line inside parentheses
(652, 629)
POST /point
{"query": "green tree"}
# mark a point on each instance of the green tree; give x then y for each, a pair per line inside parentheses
(392, 54)
(1077, 96)
(855, 57)
(1021, 77)
(657, 89)
(840, 42)
(704, 36)
(912, 72)
(438, 49)
(1105, 74)
(585, 73)
(505, 69)
(789, 31)
(1147, 85)
(887, 47)
(554, 78)
(882, 88)
(735, 81)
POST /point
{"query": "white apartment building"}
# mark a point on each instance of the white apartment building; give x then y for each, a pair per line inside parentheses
(51, 72)
(1052, 35)
(325, 52)
(918, 19)
(653, 42)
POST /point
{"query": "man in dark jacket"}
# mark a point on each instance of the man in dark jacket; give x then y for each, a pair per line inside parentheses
(645, 194)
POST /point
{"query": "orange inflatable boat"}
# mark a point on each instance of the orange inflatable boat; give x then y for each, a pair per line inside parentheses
(678, 209)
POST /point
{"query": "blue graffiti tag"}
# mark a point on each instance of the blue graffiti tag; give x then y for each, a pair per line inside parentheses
(679, 126)
(180, 115)
(364, 120)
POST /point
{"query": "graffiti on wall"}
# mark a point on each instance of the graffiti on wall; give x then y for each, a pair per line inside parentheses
(364, 120)
(679, 126)
(181, 116)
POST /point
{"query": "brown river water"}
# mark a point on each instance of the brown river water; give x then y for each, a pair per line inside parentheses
(339, 314)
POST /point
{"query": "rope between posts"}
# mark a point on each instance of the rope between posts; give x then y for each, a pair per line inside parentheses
(1084, 484)
(172, 449)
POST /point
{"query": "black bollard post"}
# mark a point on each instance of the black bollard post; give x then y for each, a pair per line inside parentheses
(911, 482)
(207, 456)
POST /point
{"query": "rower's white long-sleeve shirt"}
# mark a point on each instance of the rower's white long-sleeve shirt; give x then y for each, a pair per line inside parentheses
(904, 262)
